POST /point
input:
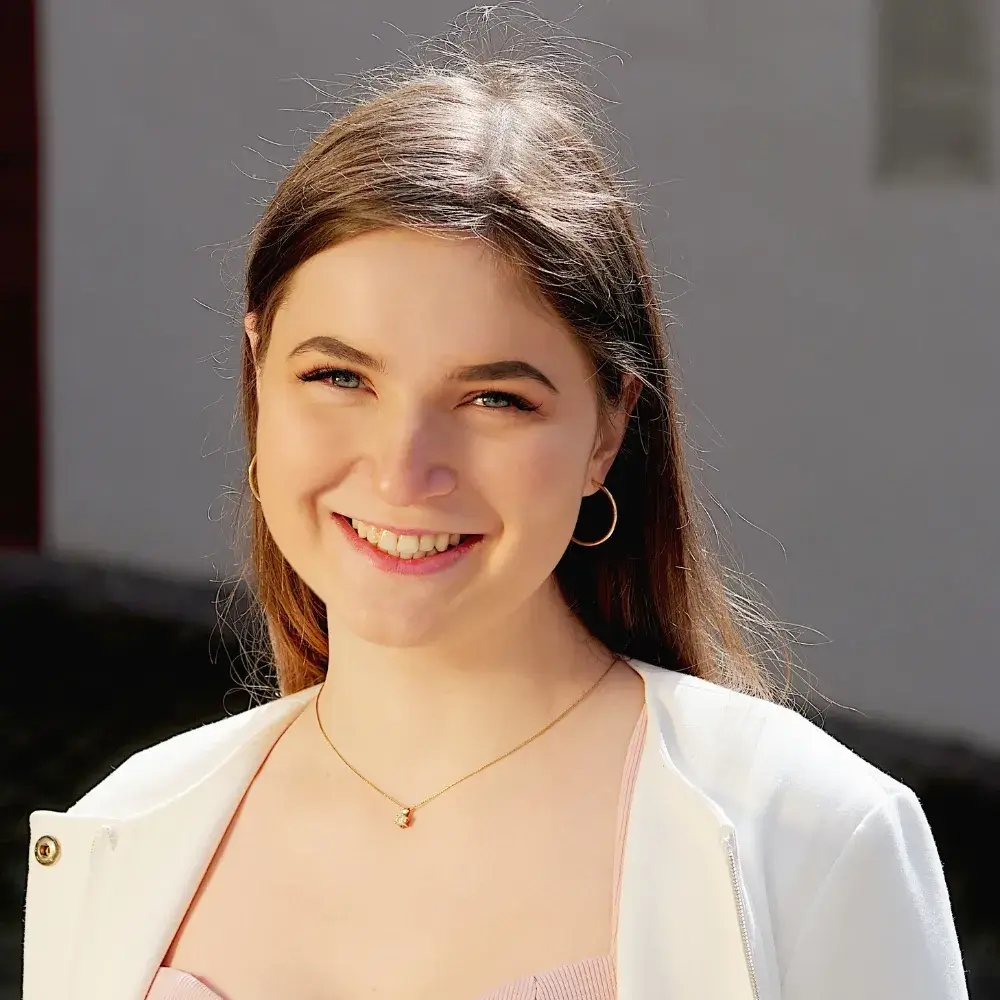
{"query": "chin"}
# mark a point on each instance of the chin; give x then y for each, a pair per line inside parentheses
(382, 627)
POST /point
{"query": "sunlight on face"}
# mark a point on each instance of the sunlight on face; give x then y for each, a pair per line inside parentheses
(411, 382)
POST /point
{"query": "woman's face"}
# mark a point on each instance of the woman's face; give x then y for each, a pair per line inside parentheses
(411, 384)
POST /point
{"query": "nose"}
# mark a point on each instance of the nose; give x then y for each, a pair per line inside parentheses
(410, 465)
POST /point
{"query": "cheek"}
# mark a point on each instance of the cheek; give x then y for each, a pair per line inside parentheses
(290, 438)
(537, 487)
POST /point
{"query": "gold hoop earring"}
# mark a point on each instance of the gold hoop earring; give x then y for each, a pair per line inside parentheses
(614, 520)
(250, 472)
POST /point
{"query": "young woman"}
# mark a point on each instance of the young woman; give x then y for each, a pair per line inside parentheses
(519, 748)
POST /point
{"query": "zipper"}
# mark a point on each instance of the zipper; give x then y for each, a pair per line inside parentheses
(729, 840)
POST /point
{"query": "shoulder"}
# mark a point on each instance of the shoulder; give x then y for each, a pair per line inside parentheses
(154, 774)
(817, 824)
(749, 752)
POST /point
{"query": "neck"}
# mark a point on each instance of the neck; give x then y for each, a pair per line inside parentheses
(411, 719)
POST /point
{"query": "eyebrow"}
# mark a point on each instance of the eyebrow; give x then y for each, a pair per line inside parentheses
(487, 371)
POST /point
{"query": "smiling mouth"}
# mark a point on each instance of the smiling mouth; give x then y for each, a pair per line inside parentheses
(406, 546)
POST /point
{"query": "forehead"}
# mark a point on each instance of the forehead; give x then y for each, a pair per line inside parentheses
(403, 286)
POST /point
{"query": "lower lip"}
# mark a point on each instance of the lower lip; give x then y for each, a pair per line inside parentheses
(407, 567)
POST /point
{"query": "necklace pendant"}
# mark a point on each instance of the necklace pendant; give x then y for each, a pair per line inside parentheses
(404, 819)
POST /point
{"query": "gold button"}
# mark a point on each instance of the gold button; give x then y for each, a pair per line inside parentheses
(46, 850)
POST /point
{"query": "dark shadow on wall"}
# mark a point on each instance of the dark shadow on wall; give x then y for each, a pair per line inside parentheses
(102, 662)
(99, 663)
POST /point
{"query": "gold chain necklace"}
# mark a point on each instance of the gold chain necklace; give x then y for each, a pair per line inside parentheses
(405, 817)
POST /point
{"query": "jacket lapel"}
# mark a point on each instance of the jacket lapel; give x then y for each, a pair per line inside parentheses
(679, 934)
(110, 907)
(122, 884)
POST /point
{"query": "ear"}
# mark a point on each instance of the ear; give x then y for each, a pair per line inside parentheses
(250, 328)
(611, 433)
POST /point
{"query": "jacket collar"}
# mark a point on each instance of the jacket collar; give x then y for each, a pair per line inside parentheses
(100, 919)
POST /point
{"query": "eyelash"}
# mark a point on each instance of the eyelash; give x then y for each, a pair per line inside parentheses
(517, 402)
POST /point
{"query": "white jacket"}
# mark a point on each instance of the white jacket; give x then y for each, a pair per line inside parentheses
(763, 859)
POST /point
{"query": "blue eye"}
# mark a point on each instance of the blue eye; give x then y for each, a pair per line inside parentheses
(336, 377)
(323, 374)
(509, 399)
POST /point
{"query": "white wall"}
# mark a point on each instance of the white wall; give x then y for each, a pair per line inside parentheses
(838, 340)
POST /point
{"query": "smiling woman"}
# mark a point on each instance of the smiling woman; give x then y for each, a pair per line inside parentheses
(520, 745)
(440, 294)
(469, 409)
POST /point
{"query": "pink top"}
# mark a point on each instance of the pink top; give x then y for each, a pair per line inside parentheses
(589, 979)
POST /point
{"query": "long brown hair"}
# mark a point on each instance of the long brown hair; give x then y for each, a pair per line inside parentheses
(509, 150)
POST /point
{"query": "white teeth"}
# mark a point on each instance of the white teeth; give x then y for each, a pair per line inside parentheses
(405, 546)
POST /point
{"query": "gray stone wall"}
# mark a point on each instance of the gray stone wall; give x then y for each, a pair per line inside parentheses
(837, 339)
